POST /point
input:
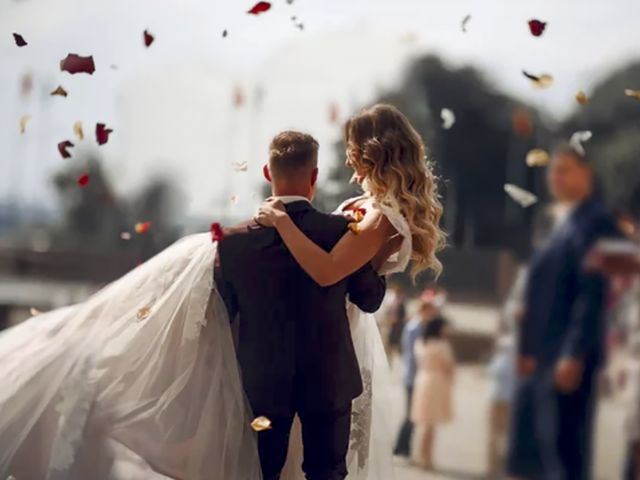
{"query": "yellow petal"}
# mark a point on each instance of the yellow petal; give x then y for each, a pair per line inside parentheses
(632, 93)
(143, 313)
(537, 158)
(582, 98)
(23, 123)
(355, 229)
(260, 424)
(544, 81)
(358, 216)
(77, 129)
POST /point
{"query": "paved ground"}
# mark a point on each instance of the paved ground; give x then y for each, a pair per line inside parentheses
(461, 447)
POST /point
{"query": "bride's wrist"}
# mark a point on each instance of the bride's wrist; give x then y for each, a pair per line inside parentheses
(281, 220)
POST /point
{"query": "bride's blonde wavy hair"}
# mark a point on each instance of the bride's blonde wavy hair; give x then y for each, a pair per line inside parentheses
(389, 154)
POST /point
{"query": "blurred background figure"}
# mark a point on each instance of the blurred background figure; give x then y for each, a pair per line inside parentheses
(502, 375)
(433, 389)
(561, 339)
(395, 320)
(431, 303)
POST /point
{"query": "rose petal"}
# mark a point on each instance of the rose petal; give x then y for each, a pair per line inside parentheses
(238, 97)
(465, 21)
(34, 311)
(74, 63)
(143, 313)
(240, 166)
(23, 123)
(334, 114)
(59, 91)
(259, 8)
(83, 180)
(522, 122)
(582, 98)
(519, 195)
(148, 38)
(448, 118)
(77, 129)
(102, 133)
(62, 148)
(578, 138)
(537, 27)
(142, 227)
(261, 424)
(354, 228)
(20, 41)
(541, 82)
(538, 158)
(125, 236)
(234, 199)
(217, 233)
(632, 93)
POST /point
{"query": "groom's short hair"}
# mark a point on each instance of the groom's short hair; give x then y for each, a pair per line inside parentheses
(292, 153)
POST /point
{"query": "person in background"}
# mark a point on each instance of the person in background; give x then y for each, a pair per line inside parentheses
(432, 393)
(431, 303)
(396, 319)
(503, 378)
(561, 339)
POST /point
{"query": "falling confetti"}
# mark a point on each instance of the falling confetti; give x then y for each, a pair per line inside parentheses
(83, 180)
(538, 158)
(578, 138)
(142, 227)
(632, 93)
(519, 195)
(522, 122)
(59, 91)
(62, 148)
(34, 311)
(240, 166)
(465, 22)
(261, 424)
(74, 63)
(225, 33)
(582, 98)
(77, 129)
(289, 2)
(23, 123)
(102, 133)
(448, 118)
(143, 313)
(148, 38)
(125, 236)
(234, 199)
(238, 97)
(216, 232)
(541, 82)
(259, 8)
(334, 113)
(19, 40)
(537, 27)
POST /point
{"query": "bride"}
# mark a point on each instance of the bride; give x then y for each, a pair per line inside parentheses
(141, 380)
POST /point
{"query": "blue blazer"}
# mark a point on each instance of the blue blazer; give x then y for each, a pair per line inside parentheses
(565, 304)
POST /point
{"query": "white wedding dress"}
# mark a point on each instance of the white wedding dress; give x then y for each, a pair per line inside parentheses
(141, 382)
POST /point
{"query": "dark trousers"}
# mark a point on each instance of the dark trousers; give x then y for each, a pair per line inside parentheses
(403, 443)
(325, 437)
(552, 433)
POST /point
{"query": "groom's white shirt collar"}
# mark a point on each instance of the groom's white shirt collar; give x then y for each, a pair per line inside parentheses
(286, 199)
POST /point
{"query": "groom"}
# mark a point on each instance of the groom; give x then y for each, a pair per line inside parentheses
(294, 343)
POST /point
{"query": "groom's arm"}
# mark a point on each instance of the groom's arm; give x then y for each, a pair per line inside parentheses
(366, 289)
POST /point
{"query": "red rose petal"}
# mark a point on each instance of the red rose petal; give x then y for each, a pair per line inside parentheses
(74, 63)
(19, 40)
(102, 133)
(259, 8)
(62, 148)
(537, 27)
(83, 180)
(148, 38)
(216, 232)
(142, 227)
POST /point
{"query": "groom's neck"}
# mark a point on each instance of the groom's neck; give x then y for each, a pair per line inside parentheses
(290, 191)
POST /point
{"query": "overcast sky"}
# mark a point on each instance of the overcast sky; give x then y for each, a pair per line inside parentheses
(171, 105)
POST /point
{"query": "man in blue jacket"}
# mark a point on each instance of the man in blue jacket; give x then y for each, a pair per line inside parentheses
(561, 340)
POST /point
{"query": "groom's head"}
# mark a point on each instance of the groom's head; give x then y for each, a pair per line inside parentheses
(293, 164)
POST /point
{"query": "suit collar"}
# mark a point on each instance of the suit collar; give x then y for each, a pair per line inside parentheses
(298, 206)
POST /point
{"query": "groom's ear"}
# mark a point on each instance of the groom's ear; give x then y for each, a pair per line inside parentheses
(266, 173)
(314, 177)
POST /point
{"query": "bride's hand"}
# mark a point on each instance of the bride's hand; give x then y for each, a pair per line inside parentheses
(270, 213)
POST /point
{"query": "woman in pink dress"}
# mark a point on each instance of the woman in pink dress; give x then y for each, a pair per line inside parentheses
(432, 390)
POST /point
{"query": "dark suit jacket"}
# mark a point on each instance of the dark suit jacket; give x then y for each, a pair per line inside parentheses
(565, 304)
(294, 343)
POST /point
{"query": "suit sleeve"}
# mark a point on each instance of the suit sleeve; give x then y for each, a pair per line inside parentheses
(586, 328)
(225, 288)
(366, 289)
